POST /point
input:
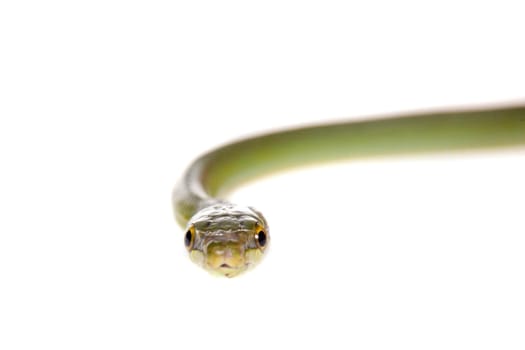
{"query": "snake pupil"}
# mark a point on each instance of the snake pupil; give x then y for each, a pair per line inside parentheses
(261, 238)
(187, 238)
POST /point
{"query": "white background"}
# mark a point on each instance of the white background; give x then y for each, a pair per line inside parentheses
(104, 103)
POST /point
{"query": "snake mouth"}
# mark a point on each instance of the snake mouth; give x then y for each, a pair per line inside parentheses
(229, 270)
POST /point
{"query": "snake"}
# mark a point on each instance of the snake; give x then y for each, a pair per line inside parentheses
(227, 239)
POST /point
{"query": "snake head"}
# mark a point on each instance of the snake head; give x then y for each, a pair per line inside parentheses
(227, 239)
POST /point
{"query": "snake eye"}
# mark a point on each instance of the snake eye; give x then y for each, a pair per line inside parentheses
(261, 238)
(189, 237)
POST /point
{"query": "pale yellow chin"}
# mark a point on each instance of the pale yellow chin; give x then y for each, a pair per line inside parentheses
(251, 258)
(227, 271)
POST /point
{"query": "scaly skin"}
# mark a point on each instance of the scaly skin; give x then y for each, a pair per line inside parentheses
(227, 239)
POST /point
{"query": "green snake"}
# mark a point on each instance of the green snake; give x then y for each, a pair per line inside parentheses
(227, 239)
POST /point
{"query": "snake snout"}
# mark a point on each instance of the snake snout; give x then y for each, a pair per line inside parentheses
(225, 256)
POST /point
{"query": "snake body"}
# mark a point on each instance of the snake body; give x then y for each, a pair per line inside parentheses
(227, 239)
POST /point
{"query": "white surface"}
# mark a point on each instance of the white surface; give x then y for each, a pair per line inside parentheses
(104, 103)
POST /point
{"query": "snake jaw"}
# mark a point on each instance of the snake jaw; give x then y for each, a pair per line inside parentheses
(229, 271)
